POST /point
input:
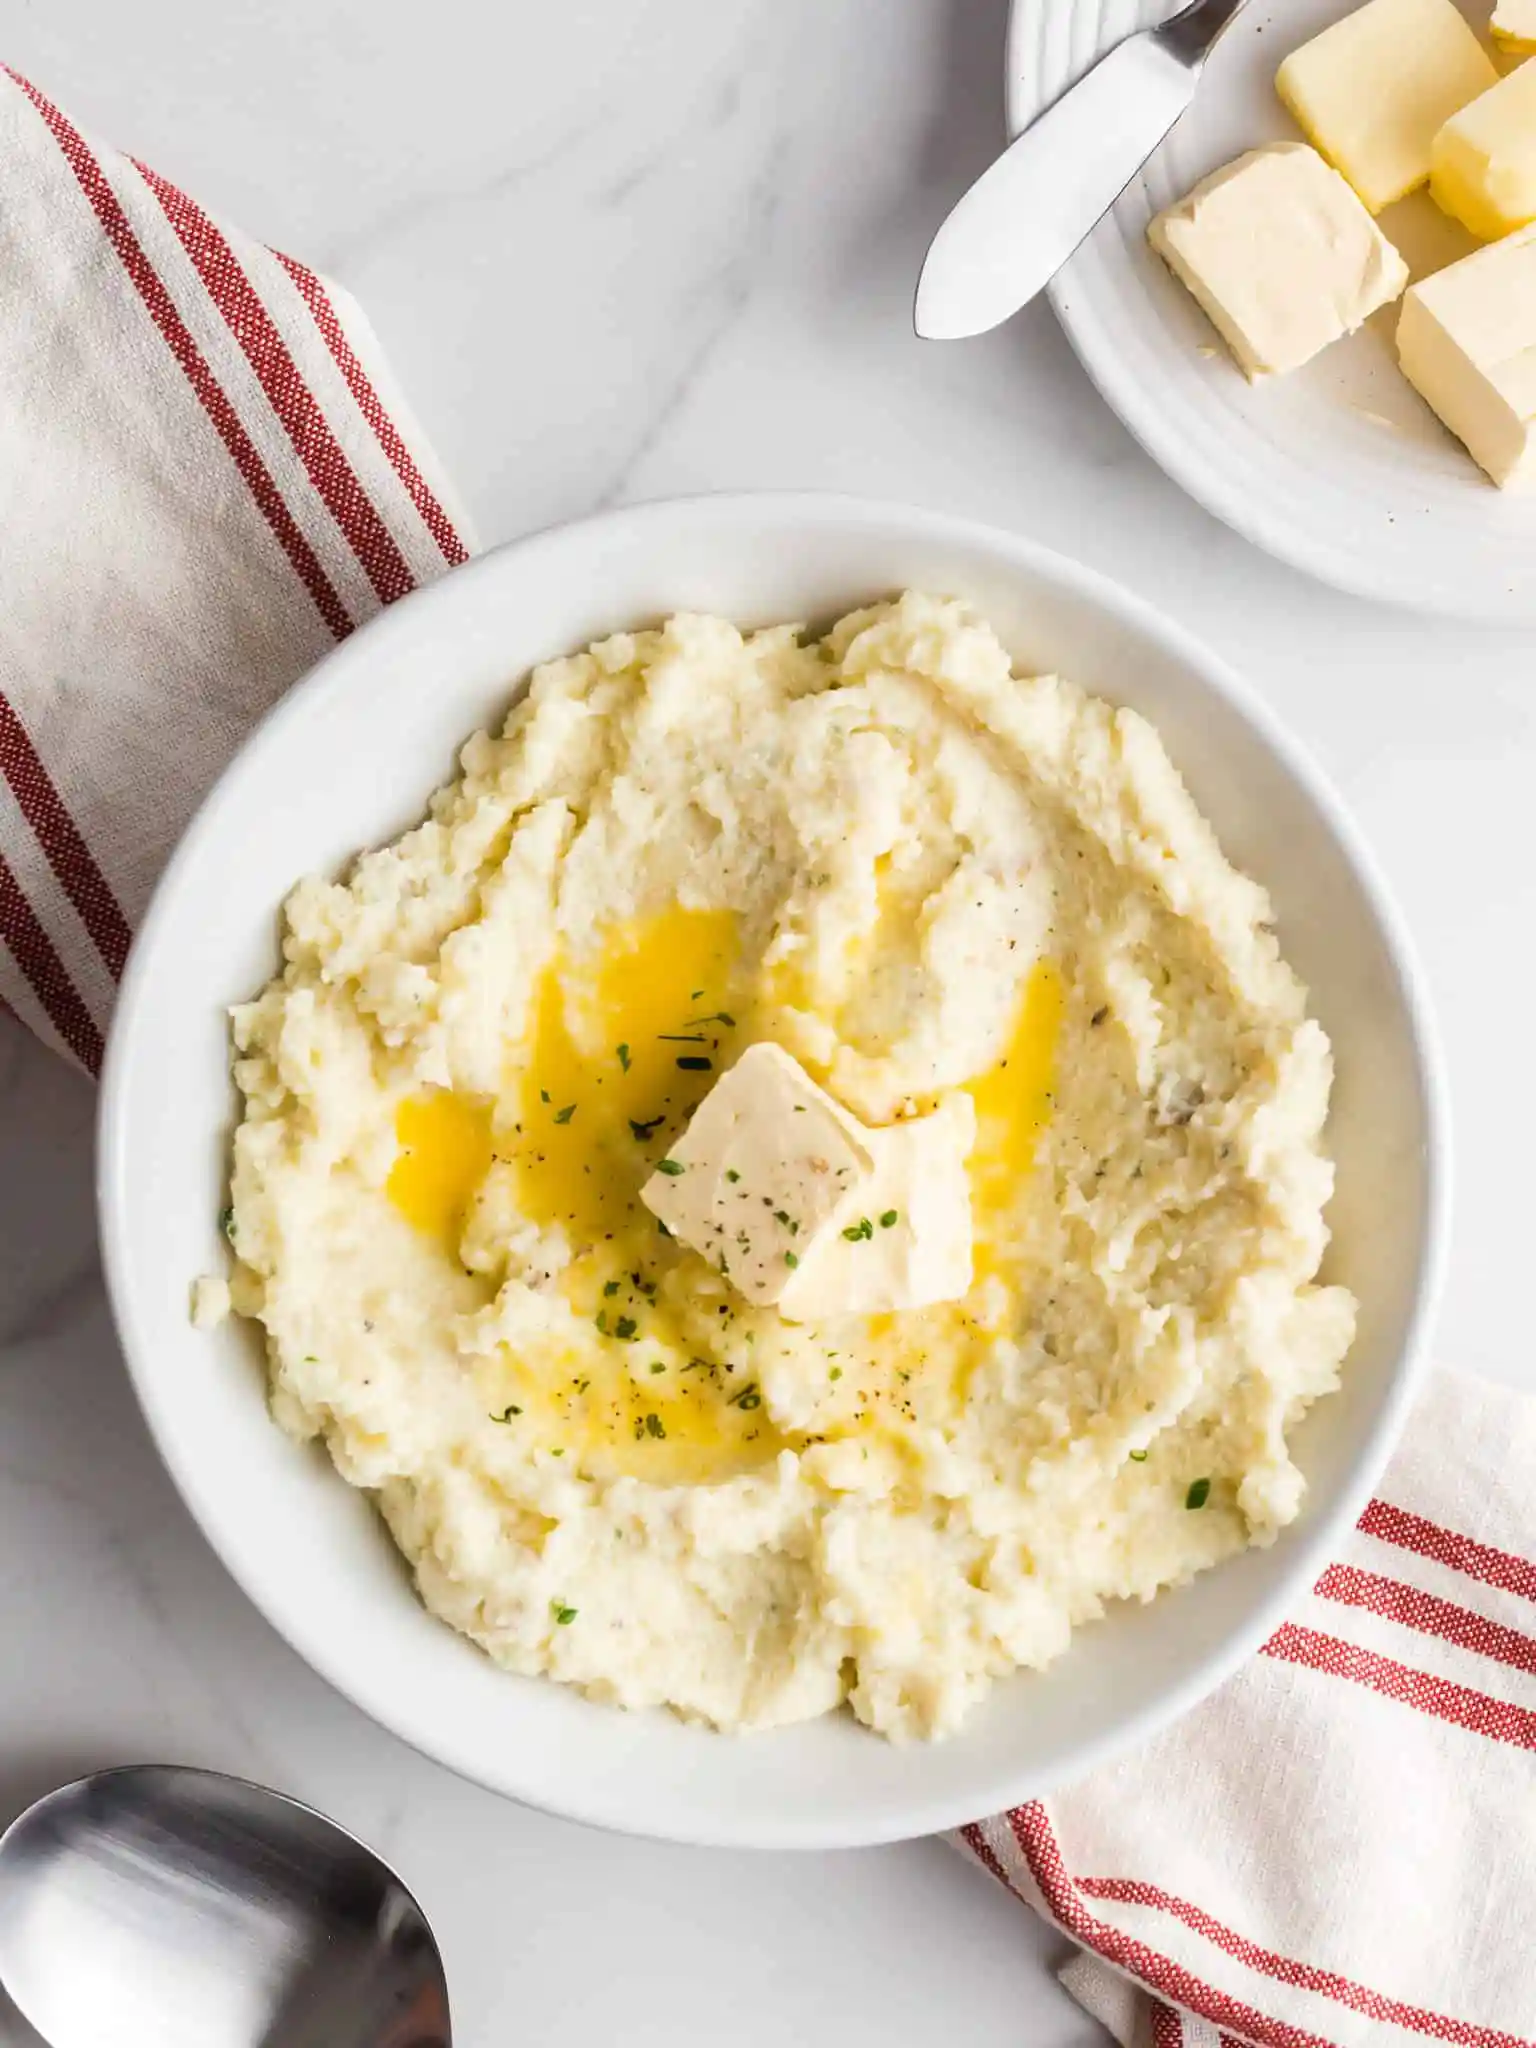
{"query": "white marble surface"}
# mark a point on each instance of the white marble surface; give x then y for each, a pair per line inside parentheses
(620, 248)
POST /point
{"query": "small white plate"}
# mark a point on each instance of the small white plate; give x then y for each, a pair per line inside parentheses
(1339, 468)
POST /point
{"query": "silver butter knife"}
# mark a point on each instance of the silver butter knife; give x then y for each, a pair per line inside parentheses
(1024, 216)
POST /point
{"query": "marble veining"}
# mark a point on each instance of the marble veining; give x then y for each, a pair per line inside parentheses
(617, 249)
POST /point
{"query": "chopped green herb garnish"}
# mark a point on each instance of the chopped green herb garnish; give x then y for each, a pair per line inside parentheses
(731, 1174)
(790, 1259)
(1138, 1457)
(862, 1229)
(715, 1017)
(601, 1320)
(1198, 1494)
(695, 1063)
(888, 1218)
(558, 1451)
(749, 1397)
(623, 1052)
(682, 1038)
(564, 1615)
(669, 1166)
(654, 1426)
(543, 1095)
(563, 1116)
(657, 1365)
(227, 1223)
(836, 1373)
(507, 1413)
(610, 1288)
(643, 1131)
(625, 1328)
(781, 1215)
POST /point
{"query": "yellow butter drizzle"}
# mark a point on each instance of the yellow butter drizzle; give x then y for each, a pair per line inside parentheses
(665, 988)
(619, 1058)
(610, 1415)
(1014, 1102)
(602, 1091)
(445, 1153)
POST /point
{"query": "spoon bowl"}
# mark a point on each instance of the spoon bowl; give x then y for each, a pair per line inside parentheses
(159, 1907)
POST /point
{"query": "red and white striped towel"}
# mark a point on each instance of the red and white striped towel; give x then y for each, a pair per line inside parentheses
(1339, 1846)
(208, 481)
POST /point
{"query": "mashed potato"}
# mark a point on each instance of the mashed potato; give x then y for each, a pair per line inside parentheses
(918, 873)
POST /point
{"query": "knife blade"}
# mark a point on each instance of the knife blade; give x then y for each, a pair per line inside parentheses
(1022, 219)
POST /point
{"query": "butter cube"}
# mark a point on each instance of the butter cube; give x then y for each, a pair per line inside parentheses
(1374, 90)
(759, 1176)
(1514, 26)
(804, 1208)
(1280, 254)
(903, 1239)
(1483, 167)
(1467, 341)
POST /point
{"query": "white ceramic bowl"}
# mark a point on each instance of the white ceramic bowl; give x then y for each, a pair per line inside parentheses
(349, 759)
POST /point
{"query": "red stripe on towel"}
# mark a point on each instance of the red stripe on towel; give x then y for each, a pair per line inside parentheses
(290, 397)
(147, 282)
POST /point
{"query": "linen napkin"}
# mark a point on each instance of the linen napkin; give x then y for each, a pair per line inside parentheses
(1339, 1846)
(208, 479)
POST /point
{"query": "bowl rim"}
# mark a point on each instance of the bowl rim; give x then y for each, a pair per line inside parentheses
(1311, 1546)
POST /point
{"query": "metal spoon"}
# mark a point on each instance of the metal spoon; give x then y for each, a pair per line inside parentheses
(1022, 219)
(163, 1908)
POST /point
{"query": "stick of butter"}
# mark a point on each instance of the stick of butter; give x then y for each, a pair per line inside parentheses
(1467, 342)
(1374, 90)
(1483, 167)
(1280, 254)
(1514, 26)
(804, 1208)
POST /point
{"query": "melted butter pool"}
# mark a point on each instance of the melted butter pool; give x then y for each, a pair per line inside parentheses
(620, 1058)
(445, 1152)
(646, 1415)
(1014, 1103)
(619, 1054)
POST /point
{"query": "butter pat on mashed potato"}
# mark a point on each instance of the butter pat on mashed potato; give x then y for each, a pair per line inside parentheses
(798, 1204)
(759, 1177)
